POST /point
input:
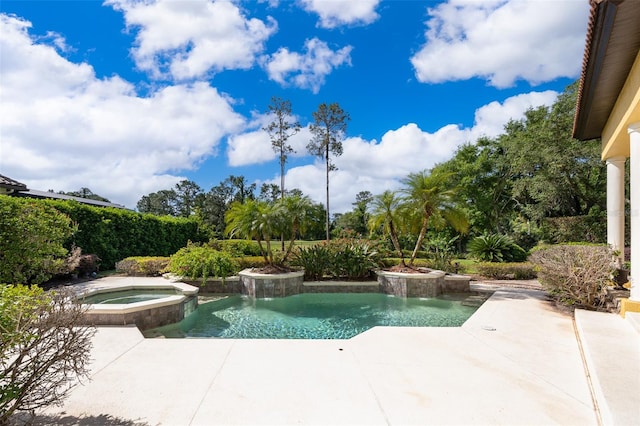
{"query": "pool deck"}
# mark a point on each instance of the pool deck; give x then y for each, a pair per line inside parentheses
(517, 360)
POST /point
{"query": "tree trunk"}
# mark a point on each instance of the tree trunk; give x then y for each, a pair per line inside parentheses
(423, 231)
(327, 215)
(396, 243)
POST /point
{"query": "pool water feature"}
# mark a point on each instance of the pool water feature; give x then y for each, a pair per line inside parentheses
(315, 316)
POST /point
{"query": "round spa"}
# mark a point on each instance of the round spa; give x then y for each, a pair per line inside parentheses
(147, 305)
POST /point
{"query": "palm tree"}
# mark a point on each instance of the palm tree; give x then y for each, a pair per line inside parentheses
(254, 219)
(429, 198)
(295, 212)
(386, 214)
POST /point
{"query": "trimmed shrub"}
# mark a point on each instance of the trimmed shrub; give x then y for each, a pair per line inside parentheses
(576, 276)
(141, 266)
(496, 248)
(32, 235)
(507, 271)
(197, 262)
(43, 347)
(246, 262)
(389, 262)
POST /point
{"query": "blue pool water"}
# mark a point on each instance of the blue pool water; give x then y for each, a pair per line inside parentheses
(315, 316)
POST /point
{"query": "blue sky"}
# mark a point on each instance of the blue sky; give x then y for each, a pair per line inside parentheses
(129, 98)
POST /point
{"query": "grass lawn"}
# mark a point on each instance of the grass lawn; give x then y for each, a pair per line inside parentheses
(467, 266)
(275, 245)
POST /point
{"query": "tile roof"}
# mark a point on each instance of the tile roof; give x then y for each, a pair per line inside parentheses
(6, 182)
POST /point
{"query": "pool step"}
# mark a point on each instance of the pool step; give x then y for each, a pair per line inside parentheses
(475, 301)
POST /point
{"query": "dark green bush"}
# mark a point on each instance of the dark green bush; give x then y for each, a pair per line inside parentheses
(316, 261)
(198, 262)
(575, 275)
(149, 266)
(496, 248)
(114, 234)
(347, 258)
(507, 271)
(32, 235)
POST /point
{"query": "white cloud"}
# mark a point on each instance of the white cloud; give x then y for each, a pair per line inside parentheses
(376, 166)
(503, 41)
(335, 13)
(490, 118)
(62, 128)
(307, 70)
(190, 39)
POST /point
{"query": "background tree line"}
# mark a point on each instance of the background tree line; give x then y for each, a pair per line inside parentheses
(533, 182)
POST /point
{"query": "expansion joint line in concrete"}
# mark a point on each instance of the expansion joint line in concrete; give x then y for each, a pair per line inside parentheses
(118, 357)
(375, 395)
(213, 380)
(594, 400)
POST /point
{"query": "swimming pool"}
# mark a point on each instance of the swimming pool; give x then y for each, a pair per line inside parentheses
(315, 316)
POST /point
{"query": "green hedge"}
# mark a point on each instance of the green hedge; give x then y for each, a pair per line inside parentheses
(32, 237)
(507, 271)
(143, 266)
(115, 234)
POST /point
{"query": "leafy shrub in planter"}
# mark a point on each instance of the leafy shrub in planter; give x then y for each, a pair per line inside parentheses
(507, 271)
(575, 275)
(197, 262)
(143, 266)
(496, 248)
(348, 258)
(316, 261)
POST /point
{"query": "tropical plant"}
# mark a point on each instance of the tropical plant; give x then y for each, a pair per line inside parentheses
(43, 347)
(315, 260)
(254, 219)
(440, 251)
(386, 215)
(347, 258)
(353, 258)
(430, 200)
(295, 212)
(328, 129)
(496, 248)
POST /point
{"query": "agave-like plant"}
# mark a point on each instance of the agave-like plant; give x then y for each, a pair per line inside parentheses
(495, 248)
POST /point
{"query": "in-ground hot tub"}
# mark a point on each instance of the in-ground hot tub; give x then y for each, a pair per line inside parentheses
(145, 303)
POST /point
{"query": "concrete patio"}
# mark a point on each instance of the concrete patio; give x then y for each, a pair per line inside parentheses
(517, 360)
